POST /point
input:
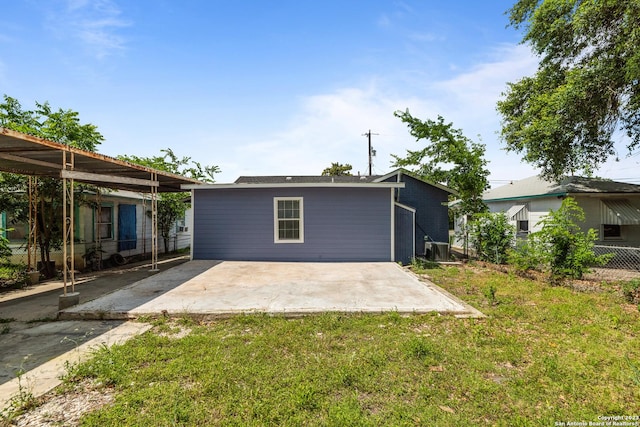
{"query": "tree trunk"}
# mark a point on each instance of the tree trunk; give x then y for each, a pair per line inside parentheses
(165, 240)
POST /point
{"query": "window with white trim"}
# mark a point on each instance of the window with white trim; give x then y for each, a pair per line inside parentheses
(104, 222)
(288, 220)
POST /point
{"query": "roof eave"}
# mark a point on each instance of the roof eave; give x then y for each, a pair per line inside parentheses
(413, 175)
(296, 185)
(533, 196)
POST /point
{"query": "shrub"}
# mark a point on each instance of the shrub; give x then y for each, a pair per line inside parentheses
(492, 236)
(570, 251)
(560, 247)
(12, 276)
(528, 254)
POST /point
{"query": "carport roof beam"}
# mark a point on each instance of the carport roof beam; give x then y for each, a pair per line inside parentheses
(29, 161)
(86, 176)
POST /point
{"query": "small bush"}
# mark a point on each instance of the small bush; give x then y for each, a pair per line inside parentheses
(560, 247)
(492, 237)
(490, 294)
(12, 276)
(569, 251)
(527, 255)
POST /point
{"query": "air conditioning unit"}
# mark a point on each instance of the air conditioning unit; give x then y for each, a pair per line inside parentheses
(436, 251)
(183, 229)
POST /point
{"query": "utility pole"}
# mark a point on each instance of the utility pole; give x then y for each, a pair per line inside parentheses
(372, 152)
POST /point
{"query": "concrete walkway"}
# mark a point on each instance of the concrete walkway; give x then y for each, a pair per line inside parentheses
(33, 342)
(210, 289)
(46, 376)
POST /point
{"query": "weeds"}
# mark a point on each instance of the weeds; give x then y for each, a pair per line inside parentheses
(23, 401)
(422, 266)
(631, 291)
(635, 371)
(490, 294)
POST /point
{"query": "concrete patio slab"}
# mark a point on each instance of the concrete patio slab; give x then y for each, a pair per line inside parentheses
(210, 289)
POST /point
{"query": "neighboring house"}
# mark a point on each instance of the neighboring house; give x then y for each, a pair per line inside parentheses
(317, 218)
(120, 226)
(612, 208)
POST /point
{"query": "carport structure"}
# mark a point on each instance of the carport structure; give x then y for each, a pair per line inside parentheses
(36, 157)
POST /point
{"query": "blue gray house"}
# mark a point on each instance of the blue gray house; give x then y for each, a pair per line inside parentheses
(317, 218)
(428, 200)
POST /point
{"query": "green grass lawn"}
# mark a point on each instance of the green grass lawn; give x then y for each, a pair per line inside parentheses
(544, 355)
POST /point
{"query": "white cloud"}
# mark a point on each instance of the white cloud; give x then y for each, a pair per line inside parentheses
(482, 86)
(328, 127)
(94, 23)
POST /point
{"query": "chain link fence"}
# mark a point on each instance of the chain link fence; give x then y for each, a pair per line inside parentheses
(624, 265)
(109, 252)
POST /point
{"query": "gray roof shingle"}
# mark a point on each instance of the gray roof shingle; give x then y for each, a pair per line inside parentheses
(535, 187)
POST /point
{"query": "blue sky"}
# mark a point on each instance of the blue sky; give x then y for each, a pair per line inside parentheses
(269, 87)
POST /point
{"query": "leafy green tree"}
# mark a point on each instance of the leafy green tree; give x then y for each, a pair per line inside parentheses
(172, 206)
(338, 169)
(170, 162)
(492, 236)
(61, 126)
(560, 247)
(449, 158)
(563, 118)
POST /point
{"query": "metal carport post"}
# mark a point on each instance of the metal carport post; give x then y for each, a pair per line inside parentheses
(70, 174)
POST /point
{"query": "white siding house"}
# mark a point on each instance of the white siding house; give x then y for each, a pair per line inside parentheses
(612, 208)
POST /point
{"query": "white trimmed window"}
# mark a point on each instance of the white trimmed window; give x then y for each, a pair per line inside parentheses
(104, 218)
(288, 220)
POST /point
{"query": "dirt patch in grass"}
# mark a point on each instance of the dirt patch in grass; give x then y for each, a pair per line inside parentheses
(64, 409)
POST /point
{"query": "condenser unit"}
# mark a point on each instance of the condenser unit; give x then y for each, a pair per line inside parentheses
(436, 251)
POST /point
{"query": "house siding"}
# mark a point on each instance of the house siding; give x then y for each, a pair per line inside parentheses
(85, 235)
(593, 219)
(340, 224)
(432, 213)
(539, 209)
